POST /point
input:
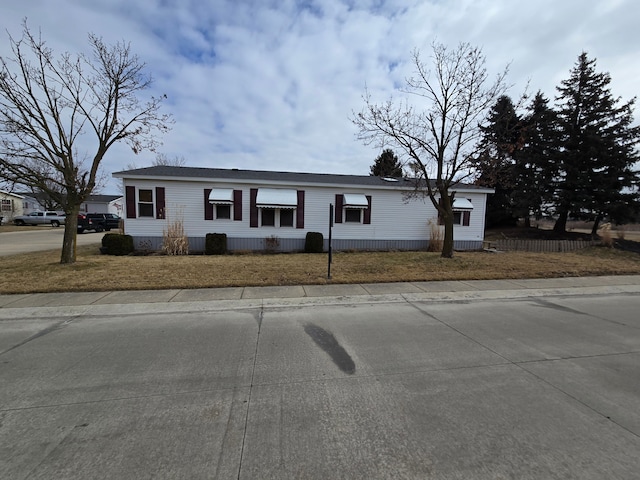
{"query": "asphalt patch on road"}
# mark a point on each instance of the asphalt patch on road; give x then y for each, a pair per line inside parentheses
(328, 343)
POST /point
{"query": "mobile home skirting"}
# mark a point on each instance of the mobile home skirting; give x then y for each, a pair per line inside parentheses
(197, 244)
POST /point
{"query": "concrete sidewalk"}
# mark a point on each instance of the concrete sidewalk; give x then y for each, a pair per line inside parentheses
(305, 294)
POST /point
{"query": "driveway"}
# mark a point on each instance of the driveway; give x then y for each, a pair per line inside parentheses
(527, 388)
(40, 238)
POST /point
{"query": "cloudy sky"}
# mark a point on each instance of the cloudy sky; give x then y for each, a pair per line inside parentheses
(271, 85)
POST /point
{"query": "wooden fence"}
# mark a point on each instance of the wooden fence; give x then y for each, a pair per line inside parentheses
(539, 245)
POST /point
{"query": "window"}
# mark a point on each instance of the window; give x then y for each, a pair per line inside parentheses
(462, 208)
(222, 204)
(271, 217)
(286, 218)
(223, 211)
(353, 215)
(6, 205)
(268, 217)
(356, 207)
(145, 203)
(276, 207)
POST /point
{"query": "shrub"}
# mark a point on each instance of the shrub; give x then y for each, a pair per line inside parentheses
(106, 239)
(436, 236)
(174, 240)
(215, 244)
(314, 242)
(117, 244)
(271, 244)
(605, 235)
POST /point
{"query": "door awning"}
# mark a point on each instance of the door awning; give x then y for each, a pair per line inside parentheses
(462, 204)
(355, 200)
(277, 198)
(221, 196)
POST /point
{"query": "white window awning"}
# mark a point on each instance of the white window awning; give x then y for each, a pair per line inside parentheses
(221, 196)
(462, 204)
(277, 198)
(355, 200)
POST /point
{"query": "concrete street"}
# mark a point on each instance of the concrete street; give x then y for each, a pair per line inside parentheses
(522, 379)
(43, 237)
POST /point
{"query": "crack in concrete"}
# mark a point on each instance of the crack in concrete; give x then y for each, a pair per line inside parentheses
(41, 333)
(259, 319)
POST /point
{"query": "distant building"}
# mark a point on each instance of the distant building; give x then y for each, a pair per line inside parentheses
(14, 204)
(103, 204)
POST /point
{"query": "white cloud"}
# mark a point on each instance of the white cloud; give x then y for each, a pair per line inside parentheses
(271, 85)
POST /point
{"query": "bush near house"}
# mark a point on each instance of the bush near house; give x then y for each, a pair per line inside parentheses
(215, 244)
(314, 242)
(117, 244)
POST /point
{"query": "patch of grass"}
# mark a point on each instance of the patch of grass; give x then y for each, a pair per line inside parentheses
(41, 272)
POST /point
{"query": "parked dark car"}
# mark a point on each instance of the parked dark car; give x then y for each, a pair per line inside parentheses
(108, 221)
(86, 223)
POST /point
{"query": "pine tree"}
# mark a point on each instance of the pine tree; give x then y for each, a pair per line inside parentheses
(387, 165)
(596, 176)
(536, 166)
(496, 162)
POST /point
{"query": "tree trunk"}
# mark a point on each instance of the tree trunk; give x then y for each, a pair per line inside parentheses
(68, 255)
(527, 221)
(561, 223)
(447, 243)
(596, 225)
(446, 214)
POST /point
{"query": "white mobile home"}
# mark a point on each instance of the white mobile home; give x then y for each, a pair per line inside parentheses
(251, 207)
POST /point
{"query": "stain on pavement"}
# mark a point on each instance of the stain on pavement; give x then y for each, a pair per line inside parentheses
(327, 342)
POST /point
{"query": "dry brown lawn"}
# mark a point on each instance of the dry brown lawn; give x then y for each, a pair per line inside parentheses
(41, 272)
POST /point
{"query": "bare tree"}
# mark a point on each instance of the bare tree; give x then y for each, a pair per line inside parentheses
(162, 159)
(60, 116)
(440, 133)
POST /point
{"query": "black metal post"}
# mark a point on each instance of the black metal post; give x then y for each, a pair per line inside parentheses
(330, 228)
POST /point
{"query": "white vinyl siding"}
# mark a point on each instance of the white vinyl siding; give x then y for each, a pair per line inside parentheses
(392, 218)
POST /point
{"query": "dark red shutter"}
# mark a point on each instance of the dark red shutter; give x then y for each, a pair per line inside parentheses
(300, 210)
(208, 207)
(253, 208)
(130, 200)
(367, 212)
(466, 217)
(237, 205)
(160, 203)
(339, 202)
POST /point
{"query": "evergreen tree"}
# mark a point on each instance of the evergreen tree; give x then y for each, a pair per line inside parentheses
(387, 165)
(495, 164)
(596, 176)
(536, 166)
